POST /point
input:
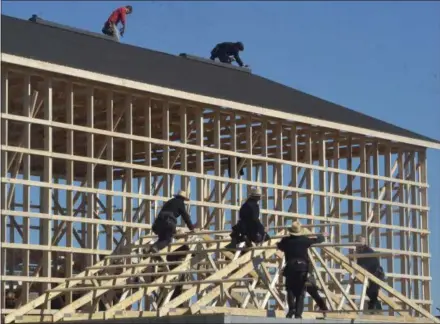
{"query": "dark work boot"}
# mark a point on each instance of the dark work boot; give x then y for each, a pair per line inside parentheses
(155, 249)
(322, 306)
(233, 244)
(290, 314)
(150, 249)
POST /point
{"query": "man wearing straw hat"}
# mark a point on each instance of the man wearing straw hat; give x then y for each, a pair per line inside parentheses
(166, 222)
(295, 248)
(249, 227)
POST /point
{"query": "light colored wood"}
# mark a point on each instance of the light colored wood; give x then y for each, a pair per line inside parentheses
(114, 81)
(204, 149)
(109, 157)
(203, 204)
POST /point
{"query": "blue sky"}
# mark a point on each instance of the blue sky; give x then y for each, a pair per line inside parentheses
(380, 58)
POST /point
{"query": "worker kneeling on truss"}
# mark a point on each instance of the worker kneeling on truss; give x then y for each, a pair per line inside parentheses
(165, 225)
(249, 227)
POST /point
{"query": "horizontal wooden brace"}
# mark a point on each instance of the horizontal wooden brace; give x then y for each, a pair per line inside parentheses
(143, 274)
(36, 247)
(204, 149)
(203, 176)
(74, 219)
(161, 284)
(214, 205)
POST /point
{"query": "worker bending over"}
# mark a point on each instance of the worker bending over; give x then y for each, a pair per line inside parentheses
(118, 16)
(224, 52)
(295, 248)
(372, 265)
(313, 291)
(249, 228)
(165, 224)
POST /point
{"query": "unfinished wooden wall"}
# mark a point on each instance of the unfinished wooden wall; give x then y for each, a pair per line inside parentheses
(85, 169)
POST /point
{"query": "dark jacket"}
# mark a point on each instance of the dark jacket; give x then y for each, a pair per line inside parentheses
(295, 250)
(249, 217)
(372, 264)
(176, 206)
(229, 49)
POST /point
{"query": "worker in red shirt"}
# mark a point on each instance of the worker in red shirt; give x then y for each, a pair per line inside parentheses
(117, 16)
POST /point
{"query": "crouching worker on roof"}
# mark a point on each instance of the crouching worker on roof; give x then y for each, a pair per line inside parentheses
(225, 51)
(118, 16)
(295, 248)
(372, 265)
(249, 228)
(165, 224)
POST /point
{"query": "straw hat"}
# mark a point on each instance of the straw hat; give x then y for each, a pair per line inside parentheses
(296, 229)
(255, 192)
(183, 194)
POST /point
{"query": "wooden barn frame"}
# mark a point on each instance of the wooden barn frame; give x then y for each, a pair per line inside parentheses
(87, 160)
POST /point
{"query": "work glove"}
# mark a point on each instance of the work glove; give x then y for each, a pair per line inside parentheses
(180, 231)
(122, 31)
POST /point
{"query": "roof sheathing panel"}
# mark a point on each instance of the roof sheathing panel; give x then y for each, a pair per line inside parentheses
(97, 54)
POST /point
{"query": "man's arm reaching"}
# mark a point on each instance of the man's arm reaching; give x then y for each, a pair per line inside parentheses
(186, 217)
(238, 59)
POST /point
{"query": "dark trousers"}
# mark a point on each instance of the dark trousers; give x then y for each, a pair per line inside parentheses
(373, 294)
(295, 287)
(312, 290)
(165, 228)
(110, 29)
(164, 239)
(173, 258)
(239, 234)
(222, 57)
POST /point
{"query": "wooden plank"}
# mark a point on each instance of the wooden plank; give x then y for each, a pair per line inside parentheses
(241, 263)
(361, 273)
(147, 291)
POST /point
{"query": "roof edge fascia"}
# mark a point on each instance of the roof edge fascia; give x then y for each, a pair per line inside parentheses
(140, 86)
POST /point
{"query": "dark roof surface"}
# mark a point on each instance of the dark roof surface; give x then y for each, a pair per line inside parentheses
(98, 54)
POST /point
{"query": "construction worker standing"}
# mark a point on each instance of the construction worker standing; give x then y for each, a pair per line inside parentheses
(165, 224)
(118, 16)
(249, 227)
(295, 248)
(372, 265)
(224, 52)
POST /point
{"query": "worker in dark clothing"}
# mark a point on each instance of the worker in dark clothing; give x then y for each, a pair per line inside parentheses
(118, 16)
(10, 299)
(240, 172)
(295, 248)
(372, 265)
(224, 52)
(249, 227)
(165, 224)
(313, 291)
(180, 257)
